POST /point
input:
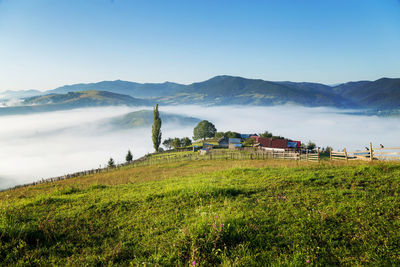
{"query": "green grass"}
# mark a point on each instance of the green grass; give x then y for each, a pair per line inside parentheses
(230, 213)
(213, 141)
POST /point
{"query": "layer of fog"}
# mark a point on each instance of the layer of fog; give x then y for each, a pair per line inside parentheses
(324, 126)
(52, 144)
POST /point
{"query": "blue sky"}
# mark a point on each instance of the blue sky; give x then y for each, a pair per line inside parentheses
(47, 43)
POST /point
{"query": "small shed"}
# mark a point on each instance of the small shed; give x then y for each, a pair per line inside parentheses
(223, 142)
(234, 143)
(293, 144)
(204, 151)
(234, 140)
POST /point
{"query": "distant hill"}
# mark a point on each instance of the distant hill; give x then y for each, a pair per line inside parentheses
(383, 93)
(86, 98)
(228, 90)
(124, 87)
(145, 118)
(71, 100)
(9, 94)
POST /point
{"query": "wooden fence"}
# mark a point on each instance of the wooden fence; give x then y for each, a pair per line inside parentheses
(219, 154)
(312, 156)
(386, 153)
(369, 154)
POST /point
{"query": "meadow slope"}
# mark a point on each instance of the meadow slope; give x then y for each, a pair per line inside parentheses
(205, 213)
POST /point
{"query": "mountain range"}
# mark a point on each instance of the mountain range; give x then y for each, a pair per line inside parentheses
(379, 95)
(71, 100)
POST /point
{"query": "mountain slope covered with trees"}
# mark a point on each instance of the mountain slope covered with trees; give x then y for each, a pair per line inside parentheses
(382, 95)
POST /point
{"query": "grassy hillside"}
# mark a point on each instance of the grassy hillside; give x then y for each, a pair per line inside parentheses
(203, 213)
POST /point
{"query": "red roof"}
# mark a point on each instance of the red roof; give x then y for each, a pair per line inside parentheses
(270, 142)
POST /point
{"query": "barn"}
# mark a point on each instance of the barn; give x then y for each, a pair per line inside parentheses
(276, 143)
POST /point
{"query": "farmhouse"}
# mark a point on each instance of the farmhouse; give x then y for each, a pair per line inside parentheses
(234, 143)
(223, 142)
(276, 143)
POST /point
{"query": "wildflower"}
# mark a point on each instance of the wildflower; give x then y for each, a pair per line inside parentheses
(215, 217)
(194, 263)
(222, 225)
(308, 261)
(214, 225)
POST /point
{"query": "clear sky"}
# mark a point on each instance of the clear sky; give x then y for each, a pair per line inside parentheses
(48, 43)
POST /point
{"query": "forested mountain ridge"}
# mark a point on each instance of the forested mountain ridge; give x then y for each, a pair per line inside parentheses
(380, 95)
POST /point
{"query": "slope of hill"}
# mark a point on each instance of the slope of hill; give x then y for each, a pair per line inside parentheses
(145, 118)
(383, 93)
(208, 213)
(227, 90)
(124, 87)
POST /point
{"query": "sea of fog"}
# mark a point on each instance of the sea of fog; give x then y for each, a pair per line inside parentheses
(51, 144)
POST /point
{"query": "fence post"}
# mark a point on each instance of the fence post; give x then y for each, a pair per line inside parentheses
(345, 154)
(318, 154)
(307, 154)
(371, 152)
(330, 154)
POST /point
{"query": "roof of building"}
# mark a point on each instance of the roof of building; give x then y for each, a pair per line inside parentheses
(234, 140)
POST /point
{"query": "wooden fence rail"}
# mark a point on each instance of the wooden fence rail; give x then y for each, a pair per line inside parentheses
(381, 153)
(386, 153)
(370, 154)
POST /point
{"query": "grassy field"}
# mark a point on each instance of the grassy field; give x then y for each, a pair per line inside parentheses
(206, 213)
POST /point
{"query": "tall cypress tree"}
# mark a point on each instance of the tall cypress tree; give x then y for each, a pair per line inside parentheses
(156, 130)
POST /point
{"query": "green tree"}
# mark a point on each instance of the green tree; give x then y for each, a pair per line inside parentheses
(111, 163)
(265, 134)
(156, 129)
(219, 135)
(230, 134)
(311, 145)
(203, 130)
(176, 143)
(129, 156)
(167, 143)
(185, 141)
(249, 142)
